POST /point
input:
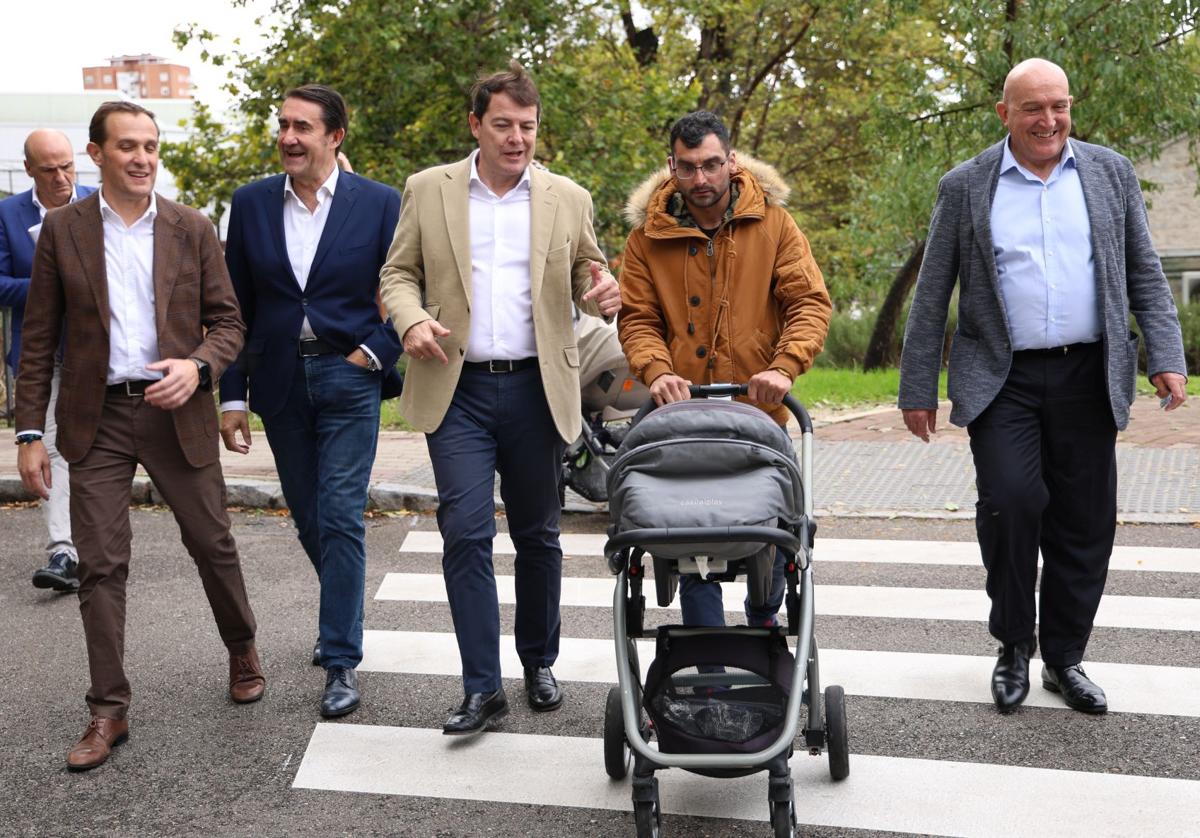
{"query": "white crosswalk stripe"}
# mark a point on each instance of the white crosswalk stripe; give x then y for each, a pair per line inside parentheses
(870, 551)
(930, 797)
(889, 793)
(1135, 688)
(1136, 612)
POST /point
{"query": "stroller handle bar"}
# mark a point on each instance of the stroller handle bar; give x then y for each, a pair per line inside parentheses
(705, 391)
(676, 535)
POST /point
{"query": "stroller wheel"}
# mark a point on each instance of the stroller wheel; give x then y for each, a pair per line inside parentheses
(648, 819)
(836, 738)
(616, 750)
(783, 819)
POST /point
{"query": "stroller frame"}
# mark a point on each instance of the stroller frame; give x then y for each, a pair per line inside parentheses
(624, 551)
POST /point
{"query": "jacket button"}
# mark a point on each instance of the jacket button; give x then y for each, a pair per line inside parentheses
(695, 300)
(701, 352)
(691, 250)
(304, 301)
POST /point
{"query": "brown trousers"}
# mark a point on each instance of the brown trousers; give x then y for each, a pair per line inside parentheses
(133, 432)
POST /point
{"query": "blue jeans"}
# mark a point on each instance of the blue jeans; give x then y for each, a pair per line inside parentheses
(499, 423)
(324, 445)
(702, 605)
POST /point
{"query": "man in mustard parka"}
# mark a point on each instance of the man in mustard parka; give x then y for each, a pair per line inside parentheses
(718, 284)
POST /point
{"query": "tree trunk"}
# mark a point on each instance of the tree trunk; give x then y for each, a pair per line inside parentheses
(880, 352)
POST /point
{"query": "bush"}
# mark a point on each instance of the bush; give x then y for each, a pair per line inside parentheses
(1189, 322)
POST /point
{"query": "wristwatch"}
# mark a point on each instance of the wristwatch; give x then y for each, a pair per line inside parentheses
(205, 373)
(26, 438)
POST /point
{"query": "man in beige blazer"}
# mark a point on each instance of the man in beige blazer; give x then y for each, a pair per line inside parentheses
(489, 255)
(138, 285)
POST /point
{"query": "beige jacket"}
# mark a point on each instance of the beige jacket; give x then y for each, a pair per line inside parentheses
(427, 275)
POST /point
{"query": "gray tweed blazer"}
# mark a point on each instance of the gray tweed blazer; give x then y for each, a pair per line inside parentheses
(959, 248)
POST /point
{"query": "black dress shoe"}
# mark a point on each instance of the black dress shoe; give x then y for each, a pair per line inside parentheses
(475, 714)
(1078, 691)
(1010, 678)
(60, 573)
(542, 689)
(341, 692)
(316, 658)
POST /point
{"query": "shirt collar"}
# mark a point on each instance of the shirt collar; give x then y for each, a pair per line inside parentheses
(107, 212)
(328, 187)
(42, 207)
(523, 183)
(1008, 161)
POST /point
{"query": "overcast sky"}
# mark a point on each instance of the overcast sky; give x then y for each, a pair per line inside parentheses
(46, 43)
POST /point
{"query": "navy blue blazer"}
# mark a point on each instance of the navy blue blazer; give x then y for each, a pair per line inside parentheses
(339, 298)
(17, 215)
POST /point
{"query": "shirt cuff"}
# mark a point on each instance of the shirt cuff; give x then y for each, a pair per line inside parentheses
(37, 431)
(233, 406)
(374, 358)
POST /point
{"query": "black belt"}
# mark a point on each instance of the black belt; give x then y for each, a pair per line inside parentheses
(501, 366)
(1055, 351)
(312, 347)
(133, 389)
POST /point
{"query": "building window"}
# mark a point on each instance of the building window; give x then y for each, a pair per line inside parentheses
(166, 91)
(89, 79)
(164, 76)
(108, 78)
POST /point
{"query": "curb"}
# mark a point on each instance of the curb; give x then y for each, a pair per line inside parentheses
(399, 497)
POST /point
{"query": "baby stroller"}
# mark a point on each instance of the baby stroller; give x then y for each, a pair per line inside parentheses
(714, 488)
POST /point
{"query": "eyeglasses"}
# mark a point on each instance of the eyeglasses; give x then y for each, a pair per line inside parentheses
(686, 171)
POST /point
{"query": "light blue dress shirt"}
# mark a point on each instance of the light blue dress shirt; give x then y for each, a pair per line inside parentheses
(1043, 247)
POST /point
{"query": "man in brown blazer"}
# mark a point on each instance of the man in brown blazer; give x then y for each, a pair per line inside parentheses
(489, 254)
(139, 285)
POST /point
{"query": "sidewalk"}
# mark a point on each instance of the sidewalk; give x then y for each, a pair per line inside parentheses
(865, 464)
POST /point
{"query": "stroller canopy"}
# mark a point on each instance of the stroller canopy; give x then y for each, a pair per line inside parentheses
(705, 463)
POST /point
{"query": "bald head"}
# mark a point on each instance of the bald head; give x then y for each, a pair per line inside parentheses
(1036, 110)
(1033, 71)
(50, 161)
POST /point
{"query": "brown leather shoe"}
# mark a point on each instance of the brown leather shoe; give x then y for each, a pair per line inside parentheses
(246, 680)
(102, 735)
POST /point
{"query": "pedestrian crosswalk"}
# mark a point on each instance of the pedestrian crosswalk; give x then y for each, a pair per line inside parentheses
(953, 794)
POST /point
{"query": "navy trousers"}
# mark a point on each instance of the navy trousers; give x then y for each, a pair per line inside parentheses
(1045, 465)
(324, 445)
(499, 422)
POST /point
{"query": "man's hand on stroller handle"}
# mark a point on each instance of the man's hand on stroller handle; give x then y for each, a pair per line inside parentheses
(668, 388)
(768, 387)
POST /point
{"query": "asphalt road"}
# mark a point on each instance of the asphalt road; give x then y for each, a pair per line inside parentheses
(196, 764)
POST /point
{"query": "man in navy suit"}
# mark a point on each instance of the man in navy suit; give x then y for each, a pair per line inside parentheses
(304, 251)
(50, 161)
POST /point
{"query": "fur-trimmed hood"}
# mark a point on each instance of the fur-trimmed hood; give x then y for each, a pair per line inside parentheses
(753, 176)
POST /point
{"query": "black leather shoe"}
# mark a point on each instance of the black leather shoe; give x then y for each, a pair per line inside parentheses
(476, 713)
(60, 573)
(316, 658)
(542, 689)
(1078, 691)
(1010, 678)
(341, 692)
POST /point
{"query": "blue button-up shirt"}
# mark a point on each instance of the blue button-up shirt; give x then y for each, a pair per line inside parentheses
(1043, 248)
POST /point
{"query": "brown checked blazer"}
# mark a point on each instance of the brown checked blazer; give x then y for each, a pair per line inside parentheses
(195, 310)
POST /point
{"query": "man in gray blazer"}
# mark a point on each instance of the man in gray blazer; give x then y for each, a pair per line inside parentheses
(1049, 243)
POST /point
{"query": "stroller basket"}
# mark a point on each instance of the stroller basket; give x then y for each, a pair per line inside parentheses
(720, 709)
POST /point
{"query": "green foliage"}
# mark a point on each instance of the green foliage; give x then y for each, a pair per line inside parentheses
(826, 387)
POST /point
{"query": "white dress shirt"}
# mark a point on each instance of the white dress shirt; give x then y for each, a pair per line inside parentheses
(1043, 246)
(302, 231)
(36, 229)
(129, 269)
(501, 299)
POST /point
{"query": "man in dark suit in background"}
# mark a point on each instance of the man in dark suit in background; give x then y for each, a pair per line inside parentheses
(304, 251)
(138, 285)
(1049, 243)
(50, 161)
